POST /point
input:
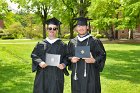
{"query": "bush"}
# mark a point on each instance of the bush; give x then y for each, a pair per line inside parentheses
(67, 36)
(104, 36)
(16, 30)
(7, 37)
(1, 31)
(35, 32)
(98, 36)
(94, 33)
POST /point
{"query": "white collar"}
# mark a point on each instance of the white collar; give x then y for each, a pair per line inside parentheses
(51, 41)
(83, 38)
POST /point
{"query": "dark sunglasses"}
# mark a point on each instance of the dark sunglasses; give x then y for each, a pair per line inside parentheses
(50, 28)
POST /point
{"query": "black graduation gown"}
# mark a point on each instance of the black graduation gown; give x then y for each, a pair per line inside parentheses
(90, 83)
(49, 79)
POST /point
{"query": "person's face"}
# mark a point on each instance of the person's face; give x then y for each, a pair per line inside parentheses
(52, 30)
(82, 30)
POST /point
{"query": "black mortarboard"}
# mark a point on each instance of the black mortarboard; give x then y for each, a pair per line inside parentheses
(53, 21)
(81, 20)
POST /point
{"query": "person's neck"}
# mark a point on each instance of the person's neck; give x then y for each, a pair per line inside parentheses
(51, 38)
(83, 35)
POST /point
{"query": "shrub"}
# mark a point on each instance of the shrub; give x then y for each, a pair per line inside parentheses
(67, 36)
(35, 32)
(104, 36)
(94, 33)
(16, 30)
(7, 37)
(98, 36)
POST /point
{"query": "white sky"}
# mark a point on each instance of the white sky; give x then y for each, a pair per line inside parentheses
(12, 6)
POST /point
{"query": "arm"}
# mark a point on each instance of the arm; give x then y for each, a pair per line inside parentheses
(36, 58)
(100, 55)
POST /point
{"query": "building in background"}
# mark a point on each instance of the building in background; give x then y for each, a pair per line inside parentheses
(1, 24)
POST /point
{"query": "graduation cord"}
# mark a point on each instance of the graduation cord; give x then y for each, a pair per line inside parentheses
(85, 72)
(75, 75)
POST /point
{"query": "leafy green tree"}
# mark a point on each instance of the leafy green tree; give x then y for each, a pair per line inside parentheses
(72, 10)
(131, 14)
(105, 14)
(3, 8)
(40, 7)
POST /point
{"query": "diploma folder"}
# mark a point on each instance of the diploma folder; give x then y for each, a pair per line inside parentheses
(82, 51)
(52, 59)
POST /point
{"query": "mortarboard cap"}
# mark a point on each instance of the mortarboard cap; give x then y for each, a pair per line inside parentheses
(81, 20)
(53, 21)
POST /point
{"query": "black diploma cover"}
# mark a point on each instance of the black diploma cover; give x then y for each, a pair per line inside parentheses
(82, 51)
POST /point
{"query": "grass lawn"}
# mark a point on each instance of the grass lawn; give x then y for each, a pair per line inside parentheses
(121, 73)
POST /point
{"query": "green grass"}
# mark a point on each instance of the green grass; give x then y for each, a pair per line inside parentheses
(18, 41)
(121, 73)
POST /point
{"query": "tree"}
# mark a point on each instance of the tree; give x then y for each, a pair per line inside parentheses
(3, 8)
(131, 15)
(71, 12)
(105, 14)
(83, 5)
(73, 8)
(42, 8)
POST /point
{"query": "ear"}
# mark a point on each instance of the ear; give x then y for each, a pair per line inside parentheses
(87, 27)
(75, 28)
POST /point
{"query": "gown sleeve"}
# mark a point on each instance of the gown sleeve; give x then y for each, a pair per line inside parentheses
(70, 53)
(35, 55)
(65, 59)
(100, 55)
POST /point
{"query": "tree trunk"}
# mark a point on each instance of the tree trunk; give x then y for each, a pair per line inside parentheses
(81, 10)
(89, 28)
(59, 32)
(71, 30)
(44, 30)
(44, 17)
(116, 34)
(112, 33)
(130, 34)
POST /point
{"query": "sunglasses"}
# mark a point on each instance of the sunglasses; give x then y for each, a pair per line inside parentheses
(50, 28)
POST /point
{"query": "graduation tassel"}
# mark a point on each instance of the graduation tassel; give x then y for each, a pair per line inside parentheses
(75, 75)
(85, 72)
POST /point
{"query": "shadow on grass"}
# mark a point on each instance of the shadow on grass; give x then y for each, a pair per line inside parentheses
(125, 66)
(15, 79)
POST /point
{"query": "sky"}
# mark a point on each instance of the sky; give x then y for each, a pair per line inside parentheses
(12, 6)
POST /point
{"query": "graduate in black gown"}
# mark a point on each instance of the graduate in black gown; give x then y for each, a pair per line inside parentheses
(49, 79)
(85, 77)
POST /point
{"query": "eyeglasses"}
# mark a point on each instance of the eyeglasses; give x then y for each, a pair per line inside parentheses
(50, 28)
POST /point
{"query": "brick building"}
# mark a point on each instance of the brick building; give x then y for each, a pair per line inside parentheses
(125, 34)
(1, 24)
(136, 34)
